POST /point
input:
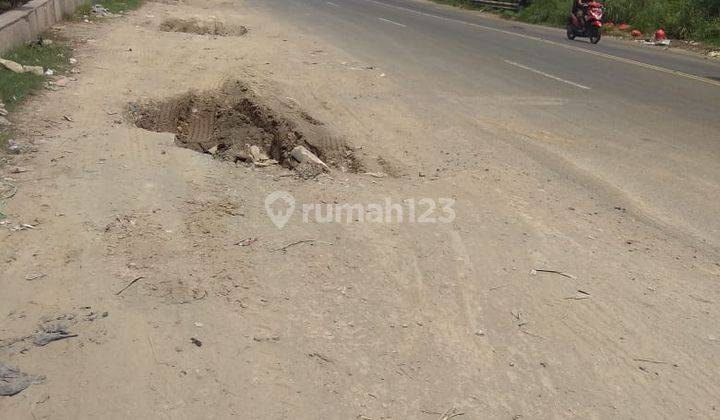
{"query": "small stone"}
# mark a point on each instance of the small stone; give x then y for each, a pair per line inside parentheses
(36, 70)
(12, 66)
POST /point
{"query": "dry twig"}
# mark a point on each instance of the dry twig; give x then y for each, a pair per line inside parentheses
(304, 241)
(118, 293)
(570, 276)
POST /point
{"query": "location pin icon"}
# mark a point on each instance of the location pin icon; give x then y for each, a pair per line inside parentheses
(280, 206)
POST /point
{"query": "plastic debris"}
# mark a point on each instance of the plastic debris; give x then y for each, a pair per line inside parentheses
(302, 155)
(100, 10)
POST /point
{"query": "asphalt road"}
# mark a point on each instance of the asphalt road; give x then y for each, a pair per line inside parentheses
(638, 124)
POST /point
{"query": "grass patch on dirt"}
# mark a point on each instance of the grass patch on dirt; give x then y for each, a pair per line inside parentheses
(4, 137)
(15, 87)
(112, 6)
(117, 6)
(82, 10)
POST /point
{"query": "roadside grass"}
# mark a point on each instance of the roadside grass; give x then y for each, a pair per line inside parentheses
(696, 20)
(15, 87)
(547, 12)
(465, 4)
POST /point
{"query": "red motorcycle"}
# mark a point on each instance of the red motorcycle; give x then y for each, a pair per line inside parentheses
(588, 27)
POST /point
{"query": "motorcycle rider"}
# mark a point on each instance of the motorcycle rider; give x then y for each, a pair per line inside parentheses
(578, 9)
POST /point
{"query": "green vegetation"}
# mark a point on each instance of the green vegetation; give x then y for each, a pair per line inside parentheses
(6, 5)
(15, 87)
(116, 6)
(683, 19)
(112, 6)
(465, 4)
(548, 12)
(697, 20)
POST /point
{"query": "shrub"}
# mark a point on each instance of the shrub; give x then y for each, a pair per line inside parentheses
(553, 12)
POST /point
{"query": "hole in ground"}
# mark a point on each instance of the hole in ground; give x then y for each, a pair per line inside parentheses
(202, 27)
(234, 124)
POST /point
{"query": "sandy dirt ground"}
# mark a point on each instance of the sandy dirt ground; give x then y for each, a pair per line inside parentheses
(360, 321)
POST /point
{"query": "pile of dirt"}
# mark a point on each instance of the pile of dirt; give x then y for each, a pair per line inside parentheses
(234, 124)
(202, 27)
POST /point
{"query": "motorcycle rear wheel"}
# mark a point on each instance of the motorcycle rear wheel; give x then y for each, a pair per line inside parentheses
(570, 33)
(595, 36)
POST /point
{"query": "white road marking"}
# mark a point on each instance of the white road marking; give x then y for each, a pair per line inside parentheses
(393, 22)
(542, 73)
(332, 4)
(557, 44)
